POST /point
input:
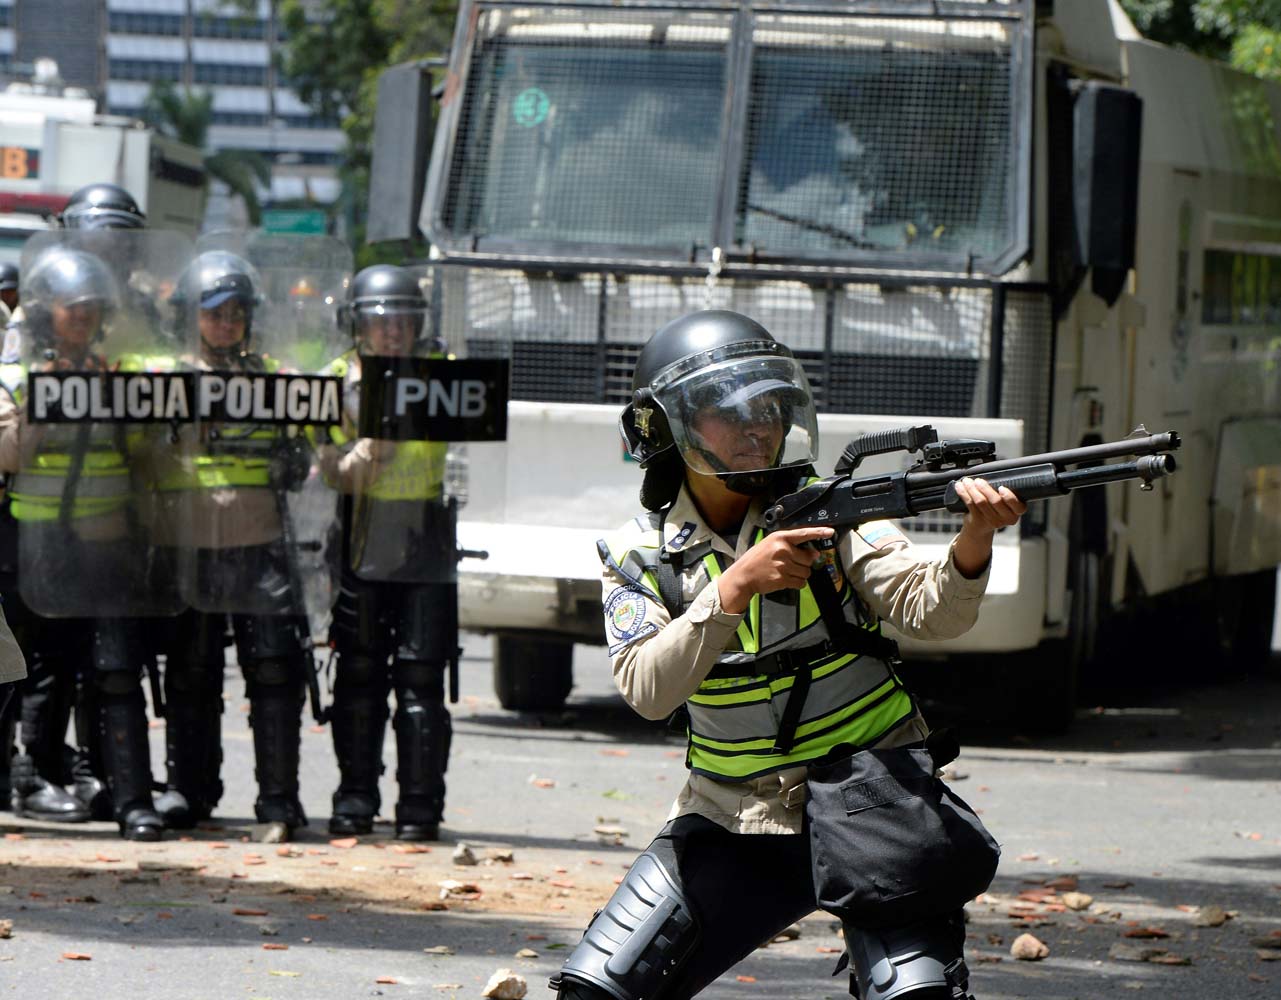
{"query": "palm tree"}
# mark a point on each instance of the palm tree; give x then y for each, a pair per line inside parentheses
(186, 117)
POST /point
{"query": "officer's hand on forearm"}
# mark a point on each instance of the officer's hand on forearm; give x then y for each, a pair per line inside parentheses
(987, 509)
(777, 562)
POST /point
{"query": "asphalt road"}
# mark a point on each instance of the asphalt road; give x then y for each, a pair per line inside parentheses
(1159, 808)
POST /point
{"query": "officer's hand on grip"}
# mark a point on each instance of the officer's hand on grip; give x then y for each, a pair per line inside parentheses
(987, 509)
(779, 562)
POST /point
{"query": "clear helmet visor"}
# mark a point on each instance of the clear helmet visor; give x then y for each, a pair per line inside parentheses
(740, 415)
(389, 326)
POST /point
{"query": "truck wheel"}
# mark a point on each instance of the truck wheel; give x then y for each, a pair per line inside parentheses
(1054, 671)
(1244, 609)
(532, 675)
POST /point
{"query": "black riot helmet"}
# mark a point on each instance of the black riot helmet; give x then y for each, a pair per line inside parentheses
(8, 276)
(103, 206)
(66, 278)
(720, 369)
(216, 277)
(384, 290)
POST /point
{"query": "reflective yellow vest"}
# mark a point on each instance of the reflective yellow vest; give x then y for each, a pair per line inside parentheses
(853, 699)
(37, 491)
(236, 456)
(416, 470)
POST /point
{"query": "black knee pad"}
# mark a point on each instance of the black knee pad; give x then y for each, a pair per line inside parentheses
(915, 962)
(423, 680)
(635, 946)
(273, 676)
(269, 637)
(358, 671)
(117, 683)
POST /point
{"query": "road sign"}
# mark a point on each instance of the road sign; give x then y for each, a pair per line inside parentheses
(295, 220)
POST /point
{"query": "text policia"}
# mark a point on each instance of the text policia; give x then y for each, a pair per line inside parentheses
(148, 397)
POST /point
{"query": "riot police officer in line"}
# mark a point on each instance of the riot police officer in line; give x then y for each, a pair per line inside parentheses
(8, 292)
(224, 482)
(705, 611)
(71, 494)
(391, 629)
(8, 551)
(97, 207)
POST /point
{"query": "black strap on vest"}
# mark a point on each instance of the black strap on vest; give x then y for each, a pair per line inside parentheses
(844, 637)
(669, 571)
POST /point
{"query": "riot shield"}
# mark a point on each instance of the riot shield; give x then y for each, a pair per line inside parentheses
(420, 398)
(86, 411)
(257, 514)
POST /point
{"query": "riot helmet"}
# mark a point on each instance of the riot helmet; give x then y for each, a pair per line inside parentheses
(386, 311)
(60, 293)
(717, 389)
(224, 289)
(9, 284)
(103, 206)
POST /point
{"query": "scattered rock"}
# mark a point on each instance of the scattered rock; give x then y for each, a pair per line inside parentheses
(788, 934)
(527, 953)
(505, 985)
(1211, 916)
(440, 949)
(503, 855)
(463, 855)
(1029, 948)
(1121, 952)
(6, 929)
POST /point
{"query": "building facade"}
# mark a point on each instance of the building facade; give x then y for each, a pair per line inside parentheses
(119, 48)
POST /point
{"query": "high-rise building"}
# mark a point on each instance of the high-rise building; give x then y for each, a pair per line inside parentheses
(118, 48)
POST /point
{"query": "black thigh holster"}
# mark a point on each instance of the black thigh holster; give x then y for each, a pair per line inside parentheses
(634, 947)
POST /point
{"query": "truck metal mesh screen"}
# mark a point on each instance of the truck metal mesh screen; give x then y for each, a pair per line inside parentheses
(645, 130)
(922, 351)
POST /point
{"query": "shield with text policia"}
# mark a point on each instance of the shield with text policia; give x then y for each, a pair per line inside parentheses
(244, 480)
(90, 406)
(422, 409)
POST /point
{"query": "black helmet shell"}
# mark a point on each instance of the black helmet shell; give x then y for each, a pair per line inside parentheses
(380, 289)
(8, 276)
(643, 425)
(103, 206)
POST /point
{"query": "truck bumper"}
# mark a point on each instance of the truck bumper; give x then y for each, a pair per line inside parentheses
(537, 579)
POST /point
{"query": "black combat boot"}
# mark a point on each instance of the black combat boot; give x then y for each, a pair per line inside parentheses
(32, 797)
(359, 726)
(423, 733)
(85, 767)
(127, 756)
(193, 759)
(275, 715)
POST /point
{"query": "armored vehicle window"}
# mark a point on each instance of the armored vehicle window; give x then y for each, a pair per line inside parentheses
(613, 144)
(895, 140)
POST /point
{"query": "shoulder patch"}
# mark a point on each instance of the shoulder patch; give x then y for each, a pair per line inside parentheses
(880, 534)
(11, 351)
(625, 613)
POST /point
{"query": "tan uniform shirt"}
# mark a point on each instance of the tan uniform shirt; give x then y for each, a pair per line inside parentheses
(221, 518)
(18, 444)
(353, 469)
(659, 662)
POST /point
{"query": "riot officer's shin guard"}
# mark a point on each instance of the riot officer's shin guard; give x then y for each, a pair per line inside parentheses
(193, 761)
(423, 735)
(922, 961)
(126, 754)
(36, 775)
(193, 723)
(359, 720)
(88, 770)
(276, 696)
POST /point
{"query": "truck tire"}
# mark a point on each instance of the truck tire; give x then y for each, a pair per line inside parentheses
(1244, 609)
(532, 674)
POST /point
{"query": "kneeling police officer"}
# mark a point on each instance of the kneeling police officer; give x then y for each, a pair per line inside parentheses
(707, 612)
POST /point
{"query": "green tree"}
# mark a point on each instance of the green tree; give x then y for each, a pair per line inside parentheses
(333, 54)
(186, 117)
(1245, 33)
